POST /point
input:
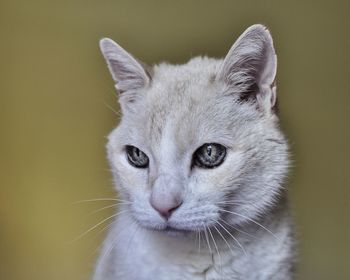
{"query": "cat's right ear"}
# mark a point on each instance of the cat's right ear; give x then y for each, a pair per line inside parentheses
(249, 68)
(128, 73)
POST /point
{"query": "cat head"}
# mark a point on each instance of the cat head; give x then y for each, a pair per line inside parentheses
(198, 143)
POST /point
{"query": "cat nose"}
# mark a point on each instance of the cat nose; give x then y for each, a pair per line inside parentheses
(166, 195)
(165, 208)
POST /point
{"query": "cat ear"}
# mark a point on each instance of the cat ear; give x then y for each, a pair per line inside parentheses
(249, 68)
(127, 72)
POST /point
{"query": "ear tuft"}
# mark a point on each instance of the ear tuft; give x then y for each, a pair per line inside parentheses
(126, 71)
(249, 69)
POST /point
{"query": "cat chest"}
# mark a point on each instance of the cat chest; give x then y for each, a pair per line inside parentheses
(189, 266)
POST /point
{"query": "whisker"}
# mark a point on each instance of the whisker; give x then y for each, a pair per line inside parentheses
(101, 199)
(235, 239)
(103, 208)
(228, 245)
(106, 227)
(101, 230)
(238, 203)
(199, 241)
(237, 229)
(231, 202)
(216, 248)
(95, 226)
(206, 237)
(113, 111)
(253, 221)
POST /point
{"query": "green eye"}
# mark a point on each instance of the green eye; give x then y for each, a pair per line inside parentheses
(136, 157)
(209, 155)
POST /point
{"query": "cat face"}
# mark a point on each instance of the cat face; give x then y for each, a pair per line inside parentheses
(198, 144)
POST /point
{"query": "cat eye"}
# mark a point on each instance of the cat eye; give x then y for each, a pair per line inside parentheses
(136, 157)
(209, 155)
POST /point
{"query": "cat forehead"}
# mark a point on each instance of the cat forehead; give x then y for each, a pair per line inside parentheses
(176, 87)
(197, 70)
(185, 101)
(180, 95)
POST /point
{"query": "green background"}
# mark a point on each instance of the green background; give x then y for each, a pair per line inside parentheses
(57, 97)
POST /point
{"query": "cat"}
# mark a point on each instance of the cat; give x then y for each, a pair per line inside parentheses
(199, 162)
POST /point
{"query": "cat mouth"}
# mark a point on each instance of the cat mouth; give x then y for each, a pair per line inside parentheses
(169, 228)
(173, 231)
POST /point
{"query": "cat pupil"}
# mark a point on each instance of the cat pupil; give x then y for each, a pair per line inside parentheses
(209, 150)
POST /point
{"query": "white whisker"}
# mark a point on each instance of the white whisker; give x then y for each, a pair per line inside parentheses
(199, 241)
(101, 230)
(105, 227)
(95, 226)
(251, 220)
(237, 203)
(216, 248)
(234, 238)
(206, 237)
(113, 111)
(228, 245)
(106, 207)
(101, 199)
(237, 229)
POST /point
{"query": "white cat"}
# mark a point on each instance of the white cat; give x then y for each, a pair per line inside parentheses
(200, 159)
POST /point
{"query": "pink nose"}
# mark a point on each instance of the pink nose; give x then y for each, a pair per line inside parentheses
(166, 195)
(165, 208)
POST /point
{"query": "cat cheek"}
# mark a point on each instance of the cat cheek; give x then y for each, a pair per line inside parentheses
(130, 178)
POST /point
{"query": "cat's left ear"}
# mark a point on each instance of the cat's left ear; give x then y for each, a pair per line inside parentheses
(249, 69)
(128, 73)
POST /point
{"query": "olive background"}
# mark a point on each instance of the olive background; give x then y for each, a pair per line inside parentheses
(58, 104)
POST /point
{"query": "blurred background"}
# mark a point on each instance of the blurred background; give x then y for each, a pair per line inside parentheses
(57, 105)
